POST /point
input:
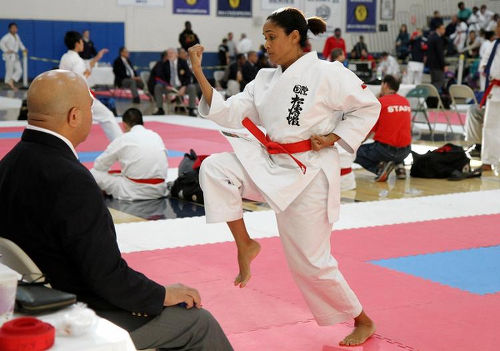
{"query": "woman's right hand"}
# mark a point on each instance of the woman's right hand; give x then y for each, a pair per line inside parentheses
(195, 55)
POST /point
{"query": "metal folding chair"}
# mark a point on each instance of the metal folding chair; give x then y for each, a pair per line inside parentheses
(419, 95)
(433, 92)
(461, 95)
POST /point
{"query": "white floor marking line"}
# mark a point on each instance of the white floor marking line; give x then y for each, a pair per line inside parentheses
(194, 231)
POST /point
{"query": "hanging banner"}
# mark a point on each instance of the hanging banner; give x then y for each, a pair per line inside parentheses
(234, 8)
(361, 16)
(191, 7)
(329, 10)
(276, 4)
(142, 3)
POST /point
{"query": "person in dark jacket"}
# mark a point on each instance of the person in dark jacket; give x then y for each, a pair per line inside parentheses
(402, 42)
(89, 50)
(126, 76)
(250, 68)
(188, 38)
(53, 209)
(435, 57)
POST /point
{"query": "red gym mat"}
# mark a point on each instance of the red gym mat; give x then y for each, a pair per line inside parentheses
(411, 313)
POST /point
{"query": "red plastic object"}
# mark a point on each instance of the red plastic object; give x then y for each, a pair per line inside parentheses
(26, 333)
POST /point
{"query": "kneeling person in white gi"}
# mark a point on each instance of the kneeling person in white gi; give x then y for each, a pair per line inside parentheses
(143, 160)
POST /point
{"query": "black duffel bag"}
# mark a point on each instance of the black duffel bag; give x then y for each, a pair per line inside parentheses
(444, 162)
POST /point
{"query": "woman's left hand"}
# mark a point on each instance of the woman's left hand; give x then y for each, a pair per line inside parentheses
(319, 142)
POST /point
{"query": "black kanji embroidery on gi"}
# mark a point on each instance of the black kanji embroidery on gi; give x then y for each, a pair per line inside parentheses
(297, 102)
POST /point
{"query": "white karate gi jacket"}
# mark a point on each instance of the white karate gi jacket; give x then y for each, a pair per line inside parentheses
(13, 43)
(311, 97)
(389, 66)
(490, 150)
(142, 155)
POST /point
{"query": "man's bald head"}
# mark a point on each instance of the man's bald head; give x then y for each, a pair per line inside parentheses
(60, 101)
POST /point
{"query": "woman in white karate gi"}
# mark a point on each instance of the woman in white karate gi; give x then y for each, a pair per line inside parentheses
(307, 107)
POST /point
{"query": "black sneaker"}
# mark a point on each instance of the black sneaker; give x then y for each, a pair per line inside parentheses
(385, 171)
(160, 112)
(136, 100)
(192, 112)
(400, 171)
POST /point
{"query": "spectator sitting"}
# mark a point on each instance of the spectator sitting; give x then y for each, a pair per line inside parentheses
(333, 42)
(402, 42)
(126, 76)
(365, 56)
(388, 66)
(89, 50)
(353, 55)
(392, 134)
(360, 45)
(233, 75)
(337, 55)
(244, 45)
(485, 17)
(223, 53)
(188, 38)
(473, 44)
(492, 24)
(143, 161)
(69, 233)
(463, 12)
(249, 69)
(473, 21)
(436, 21)
(179, 77)
(264, 61)
(157, 82)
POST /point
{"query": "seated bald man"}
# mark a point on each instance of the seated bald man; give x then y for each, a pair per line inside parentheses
(53, 209)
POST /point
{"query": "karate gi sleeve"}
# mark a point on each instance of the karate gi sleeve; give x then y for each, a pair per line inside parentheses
(86, 232)
(361, 108)
(231, 112)
(112, 154)
(3, 45)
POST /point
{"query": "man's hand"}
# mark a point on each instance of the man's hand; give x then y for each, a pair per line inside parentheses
(319, 142)
(101, 53)
(195, 55)
(179, 293)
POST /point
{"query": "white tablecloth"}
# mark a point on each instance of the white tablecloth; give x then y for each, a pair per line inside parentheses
(105, 336)
(403, 89)
(101, 75)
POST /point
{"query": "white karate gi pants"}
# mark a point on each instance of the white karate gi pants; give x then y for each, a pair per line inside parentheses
(13, 69)
(304, 231)
(490, 150)
(415, 71)
(123, 188)
(102, 115)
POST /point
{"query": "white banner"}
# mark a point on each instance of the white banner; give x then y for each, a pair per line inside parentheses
(142, 3)
(329, 10)
(276, 4)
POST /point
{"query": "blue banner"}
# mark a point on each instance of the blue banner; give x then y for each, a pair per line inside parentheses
(234, 8)
(192, 7)
(361, 16)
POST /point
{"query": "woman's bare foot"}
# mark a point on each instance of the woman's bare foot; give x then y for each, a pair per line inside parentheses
(363, 329)
(246, 254)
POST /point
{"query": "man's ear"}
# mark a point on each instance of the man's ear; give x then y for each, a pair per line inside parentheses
(74, 117)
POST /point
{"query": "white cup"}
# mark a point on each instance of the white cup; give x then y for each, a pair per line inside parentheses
(8, 286)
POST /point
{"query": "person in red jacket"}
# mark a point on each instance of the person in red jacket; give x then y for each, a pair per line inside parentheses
(333, 42)
(391, 134)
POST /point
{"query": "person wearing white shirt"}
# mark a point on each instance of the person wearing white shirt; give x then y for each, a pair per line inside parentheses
(10, 44)
(484, 53)
(484, 16)
(388, 65)
(231, 46)
(244, 45)
(460, 35)
(71, 61)
(143, 160)
(490, 150)
(473, 21)
(492, 24)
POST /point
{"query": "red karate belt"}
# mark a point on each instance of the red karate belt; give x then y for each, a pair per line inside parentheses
(344, 171)
(273, 147)
(153, 181)
(494, 82)
(26, 333)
